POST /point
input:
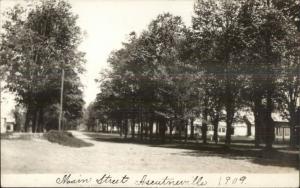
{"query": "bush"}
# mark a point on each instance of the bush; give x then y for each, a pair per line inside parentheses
(65, 138)
(6, 135)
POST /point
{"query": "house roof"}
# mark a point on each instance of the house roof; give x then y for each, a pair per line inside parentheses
(281, 124)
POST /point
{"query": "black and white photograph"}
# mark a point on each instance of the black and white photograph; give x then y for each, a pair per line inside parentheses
(150, 93)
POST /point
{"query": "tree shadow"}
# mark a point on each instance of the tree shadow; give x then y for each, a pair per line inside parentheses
(273, 157)
(281, 156)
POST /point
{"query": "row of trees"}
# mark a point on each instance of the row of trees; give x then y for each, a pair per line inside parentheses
(237, 55)
(38, 42)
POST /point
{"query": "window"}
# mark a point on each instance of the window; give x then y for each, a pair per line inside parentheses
(286, 132)
(222, 129)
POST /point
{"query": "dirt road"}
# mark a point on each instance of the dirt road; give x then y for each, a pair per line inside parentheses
(41, 156)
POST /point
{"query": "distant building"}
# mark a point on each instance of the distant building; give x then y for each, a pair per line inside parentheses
(7, 105)
(239, 129)
(7, 126)
(246, 126)
(3, 128)
(282, 130)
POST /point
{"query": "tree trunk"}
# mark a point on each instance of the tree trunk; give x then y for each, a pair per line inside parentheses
(171, 130)
(35, 121)
(293, 123)
(292, 132)
(297, 130)
(133, 128)
(27, 118)
(157, 128)
(151, 129)
(162, 130)
(270, 131)
(41, 120)
(248, 123)
(126, 127)
(186, 130)
(229, 115)
(216, 126)
(215, 136)
(257, 111)
(180, 129)
(229, 128)
(103, 127)
(146, 129)
(192, 129)
(204, 127)
(142, 130)
(120, 125)
(204, 132)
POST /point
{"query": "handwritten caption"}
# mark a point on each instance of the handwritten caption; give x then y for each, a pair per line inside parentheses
(147, 180)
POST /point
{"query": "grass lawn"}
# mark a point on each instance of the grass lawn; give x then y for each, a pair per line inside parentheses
(65, 138)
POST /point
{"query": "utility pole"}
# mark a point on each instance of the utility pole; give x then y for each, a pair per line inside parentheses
(0, 76)
(61, 99)
(0, 101)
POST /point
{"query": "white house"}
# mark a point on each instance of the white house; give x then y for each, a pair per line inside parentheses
(2, 124)
(7, 125)
(241, 128)
(7, 103)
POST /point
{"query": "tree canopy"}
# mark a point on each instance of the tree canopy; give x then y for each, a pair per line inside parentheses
(237, 55)
(37, 43)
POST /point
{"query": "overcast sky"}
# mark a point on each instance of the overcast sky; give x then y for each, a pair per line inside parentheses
(107, 23)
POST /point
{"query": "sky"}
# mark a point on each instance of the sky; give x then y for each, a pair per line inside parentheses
(106, 24)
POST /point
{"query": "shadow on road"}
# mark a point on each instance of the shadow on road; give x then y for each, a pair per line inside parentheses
(280, 156)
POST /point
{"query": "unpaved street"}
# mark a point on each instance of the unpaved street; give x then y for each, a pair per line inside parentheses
(41, 156)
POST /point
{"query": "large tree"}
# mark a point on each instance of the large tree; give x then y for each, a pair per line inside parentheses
(37, 43)
(217, 49)
(266, 34)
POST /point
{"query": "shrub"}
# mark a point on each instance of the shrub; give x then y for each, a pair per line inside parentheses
(6, 135)
(65, 138)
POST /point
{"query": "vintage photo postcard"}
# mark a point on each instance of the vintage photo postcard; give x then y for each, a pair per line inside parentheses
(150, 93)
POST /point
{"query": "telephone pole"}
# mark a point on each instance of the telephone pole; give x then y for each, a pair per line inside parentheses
(1, 73)
(61, 100)
(0, 102)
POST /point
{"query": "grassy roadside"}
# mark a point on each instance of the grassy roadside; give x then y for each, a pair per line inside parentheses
(65, 138)
(5, 135)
